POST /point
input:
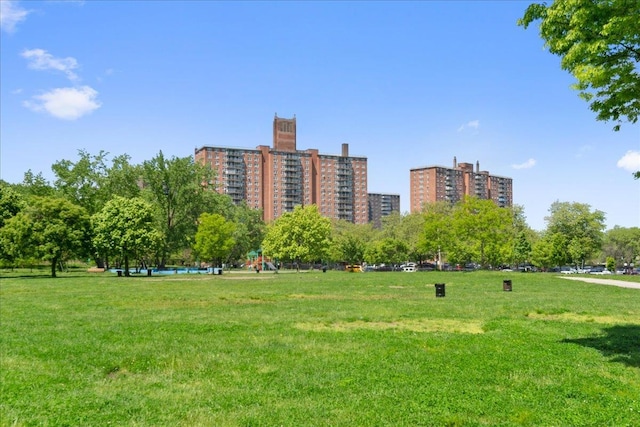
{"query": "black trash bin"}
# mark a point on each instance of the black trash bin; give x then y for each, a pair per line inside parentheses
(506, 285)
(148, 272)
(119, 273)
(439, 290)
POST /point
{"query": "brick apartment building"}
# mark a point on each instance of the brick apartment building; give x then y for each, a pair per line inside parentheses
(382, 205)
(437, 183)
(276, 179)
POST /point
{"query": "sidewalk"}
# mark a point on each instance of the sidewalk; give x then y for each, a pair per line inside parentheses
(610, 282)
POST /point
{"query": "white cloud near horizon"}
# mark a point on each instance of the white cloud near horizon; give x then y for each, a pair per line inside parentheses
(40, 59)
(10, 15)
(68, 103)
(473, 124)
(630, 161)
(526, 165)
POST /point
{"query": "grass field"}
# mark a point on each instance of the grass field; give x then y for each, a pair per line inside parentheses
(314, 349)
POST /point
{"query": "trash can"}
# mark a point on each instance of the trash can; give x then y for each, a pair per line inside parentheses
(506, 285)
(324, 268)
(219, 271)
(439, 290)
(148, 272)
(119, 273)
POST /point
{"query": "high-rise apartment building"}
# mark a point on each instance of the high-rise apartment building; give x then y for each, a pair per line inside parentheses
(438, 183)
(276, 179)
(382, 205)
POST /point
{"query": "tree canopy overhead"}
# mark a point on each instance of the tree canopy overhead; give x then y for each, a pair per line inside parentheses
(599, 43)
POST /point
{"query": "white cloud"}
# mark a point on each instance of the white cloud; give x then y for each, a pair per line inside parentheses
(40, 59)
(10, 15)
(526, 165)
(67, 103)
(473, 124)
(630, 161)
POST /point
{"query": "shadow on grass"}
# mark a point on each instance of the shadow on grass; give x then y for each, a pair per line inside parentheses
(620, 343)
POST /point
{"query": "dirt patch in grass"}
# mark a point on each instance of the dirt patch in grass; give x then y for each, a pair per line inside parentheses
(416, 325)
(584, 318)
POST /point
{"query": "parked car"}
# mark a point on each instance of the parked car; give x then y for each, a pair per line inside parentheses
(409, 269)
(599, 270)
(567, 270)
(427, 267)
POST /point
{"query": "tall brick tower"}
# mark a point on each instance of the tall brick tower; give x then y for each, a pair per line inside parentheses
(284, 134)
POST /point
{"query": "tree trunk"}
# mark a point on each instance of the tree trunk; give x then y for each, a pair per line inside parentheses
(54, 263)
(126, 265)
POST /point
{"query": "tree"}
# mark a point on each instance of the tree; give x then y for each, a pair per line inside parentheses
(542, 254)
(349, 241)
(387, 250)
(406, 228)
(10, 203)
(623, 244)
(214, 239)
(523, 236)
(181, 191)
(35, 185)
(301, 235)
(50, 229)
(249, 232)
(611, 264)
(125, 227)
(437, 233)
(599, 43)
(122, 178)
(484, 232)
(82, 182)
(521, 248)
(576, 231)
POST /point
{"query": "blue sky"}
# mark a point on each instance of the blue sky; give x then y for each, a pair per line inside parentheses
(406, 84)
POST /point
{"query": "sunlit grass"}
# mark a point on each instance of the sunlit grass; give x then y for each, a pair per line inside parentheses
(317, 349)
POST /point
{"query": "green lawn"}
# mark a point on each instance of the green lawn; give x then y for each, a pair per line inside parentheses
(314, 349)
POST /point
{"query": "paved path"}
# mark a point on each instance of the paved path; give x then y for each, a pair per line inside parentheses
(610, 282)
